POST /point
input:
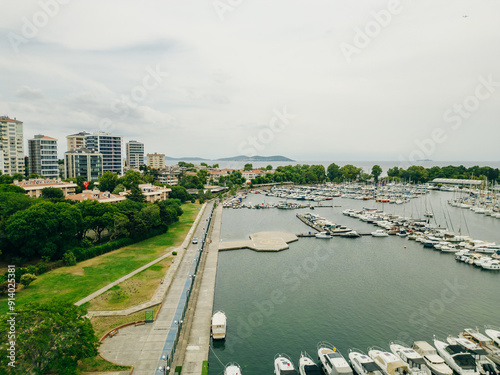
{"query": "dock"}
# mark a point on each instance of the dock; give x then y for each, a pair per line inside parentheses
(263, 241)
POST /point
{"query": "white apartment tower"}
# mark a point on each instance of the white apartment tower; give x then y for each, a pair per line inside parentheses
(135, 154)
(43, 156)
(11, 146)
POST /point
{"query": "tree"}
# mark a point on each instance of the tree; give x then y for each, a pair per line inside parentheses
(5, 188)
(131, 178)
(69, 258)
(376, 172)
(49, 337)
(202, 175)
(333, 173)
(319, 172)
(179, 192)
(269, 167)
(96, 216)
(136, 194)
(119, 188)
(350, 172)
(108, 181)
(52, 194)
(248, 167)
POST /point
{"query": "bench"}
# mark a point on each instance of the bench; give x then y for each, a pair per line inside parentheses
(112, 333)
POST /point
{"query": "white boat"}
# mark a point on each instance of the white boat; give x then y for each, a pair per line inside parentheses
(307, 366)
(492, 265)
(323, 235)
(415, 361)
(483, 342)
(402, 233)
(362, 364)
(435, 363)
(380, 233)
(219, 321)
(351, 234)
(428, 214)
(388, 362)
(483, 363)
(494, 333)
(457, 358)
(232, 369)
(283, 365)
(333, 362)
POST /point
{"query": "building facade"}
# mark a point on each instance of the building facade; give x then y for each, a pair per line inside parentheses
(110, 147)
(42, 152)
(34, 187)
(135, 154)
(76, 141)
(11, 146)
(155, 160)
(83, 163)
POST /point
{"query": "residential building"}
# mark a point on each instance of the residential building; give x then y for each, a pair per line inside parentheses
(76, 141)
(110, 147)
(154, 193)
(11, 146)
(135, 154)
(155, 160)
(43, 156)
(102, 197)
(166, 177)
(34, 187)
(250, 175)
(83, 163)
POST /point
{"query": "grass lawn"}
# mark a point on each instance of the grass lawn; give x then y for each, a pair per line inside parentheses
(73, 283)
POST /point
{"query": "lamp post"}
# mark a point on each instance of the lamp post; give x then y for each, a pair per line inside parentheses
(164, 369)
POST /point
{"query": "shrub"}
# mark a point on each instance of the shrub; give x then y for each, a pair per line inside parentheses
(41, 268)
(69, 259)
(174, 252)
(4, 288)
(27, 279)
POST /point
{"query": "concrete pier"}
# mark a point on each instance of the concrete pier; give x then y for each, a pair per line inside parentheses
(262, 241)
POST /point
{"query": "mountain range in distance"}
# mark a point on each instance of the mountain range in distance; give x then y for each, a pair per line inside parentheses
(235, 158)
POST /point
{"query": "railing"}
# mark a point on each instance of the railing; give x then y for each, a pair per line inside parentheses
(172, 339)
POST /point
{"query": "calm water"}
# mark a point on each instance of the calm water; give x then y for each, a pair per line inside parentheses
(351, 292)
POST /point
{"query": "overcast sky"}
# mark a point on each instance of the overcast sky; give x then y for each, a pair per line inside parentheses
(311, 80)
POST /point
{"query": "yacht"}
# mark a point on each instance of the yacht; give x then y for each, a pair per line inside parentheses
(402, 233)
(333, 362)
(307, 365)
(388, 362)
(323, 235)
(351, 234)
(435, 363)
(232, 369)
(483, 363)
(219, 325)
(494, 333)
(492, 265)
(362, 364)
(483, 342)
(415, 361)
(380, 233)
(457, 357)
(283, 365)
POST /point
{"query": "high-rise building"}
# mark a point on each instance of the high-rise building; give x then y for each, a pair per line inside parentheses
(83, 163)
(155, 160)
(43, 156)
(76, 141)
(110, 147)
(11, 146)
(135, 154)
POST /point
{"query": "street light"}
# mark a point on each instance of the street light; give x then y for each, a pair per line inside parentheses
(165, 369)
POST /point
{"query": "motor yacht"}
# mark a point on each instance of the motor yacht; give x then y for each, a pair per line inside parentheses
(219, 321)
(388, 362)
(457, 358)
(435, 363)
(283, 365)
(494, 333)
(325, 235)
(483, 363)
(380, 233)
(232, 369)
(333, 362)
(415, 361)
(484, 342)
(362, 364)
(307, 366)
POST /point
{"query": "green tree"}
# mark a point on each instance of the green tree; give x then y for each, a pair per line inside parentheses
(97, 217)
(248, 167)
(119, 188)
(202, 175)
(136, 194)
(376, 172)
(180, 192)
(130, 179)
(52, 194)
(319, 172)
(51, 337)
(69, 258)
(7, 188)
(27, 279)
(350, 172)
(108, 181)
(333, 172)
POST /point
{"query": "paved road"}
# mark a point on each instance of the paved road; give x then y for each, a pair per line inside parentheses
(141, 346)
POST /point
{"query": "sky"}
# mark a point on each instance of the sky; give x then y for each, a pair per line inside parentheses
(331, 80)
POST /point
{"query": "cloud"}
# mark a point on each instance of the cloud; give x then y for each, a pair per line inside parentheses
(26, 92)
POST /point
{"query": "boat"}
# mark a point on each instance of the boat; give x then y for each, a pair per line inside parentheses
(232, 369)
(333, 362)
(388, 362)
(457, 358)
(402, 233)
(307, 365)
(428, 214)
(494, 333)
(380, 233)
(435, 363)
(414, 360)
(219, 321)
(323, 235)
(362, 364)
(491, 265)
(483, 363)
(283, 365)
(351, 234)
(484, 342)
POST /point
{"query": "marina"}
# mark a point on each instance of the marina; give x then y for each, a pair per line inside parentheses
(338, 289)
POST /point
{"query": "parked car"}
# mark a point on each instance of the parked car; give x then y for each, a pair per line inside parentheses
(195, 240)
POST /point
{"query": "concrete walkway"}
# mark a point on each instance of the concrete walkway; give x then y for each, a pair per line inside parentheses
(141, 346)
(198, 343)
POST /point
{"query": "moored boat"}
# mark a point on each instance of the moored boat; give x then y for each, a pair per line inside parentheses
(388, 362)
(307, 365)
(435, 363)
(283, 365)
(333, 362)
(219, 321)
(232, 369)
(414, 360)
(362, 364)
(457, 358)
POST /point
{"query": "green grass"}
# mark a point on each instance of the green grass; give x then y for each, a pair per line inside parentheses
(98, 364)
(74, 283)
